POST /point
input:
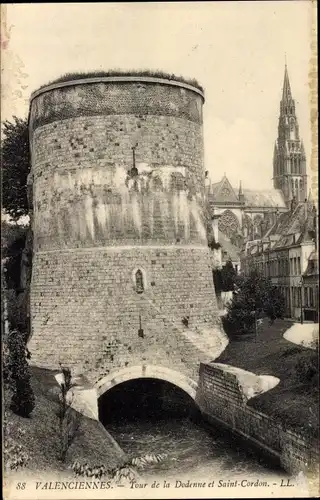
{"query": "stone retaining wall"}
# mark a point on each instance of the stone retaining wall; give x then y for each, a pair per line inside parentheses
(222, 401)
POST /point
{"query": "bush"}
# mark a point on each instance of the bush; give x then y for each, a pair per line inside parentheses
(17, 374)
(306, 370)
(14, 454)
(254, 298)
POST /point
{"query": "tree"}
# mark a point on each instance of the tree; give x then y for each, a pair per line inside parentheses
(13, 238)
(69, 420)
(255, 298)
(15, 157)
(17, 375)
(225, 278)
(228, 275)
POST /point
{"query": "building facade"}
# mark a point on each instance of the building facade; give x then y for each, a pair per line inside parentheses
(284, 254)
(247, 214)
(311, 288)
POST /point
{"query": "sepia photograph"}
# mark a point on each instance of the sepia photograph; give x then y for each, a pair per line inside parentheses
(159, 250)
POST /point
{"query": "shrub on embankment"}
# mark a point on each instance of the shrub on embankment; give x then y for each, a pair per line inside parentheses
(39, 440)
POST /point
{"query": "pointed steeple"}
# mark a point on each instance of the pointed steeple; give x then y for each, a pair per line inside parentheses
(240, 194)
(289, 161)
(286, 90)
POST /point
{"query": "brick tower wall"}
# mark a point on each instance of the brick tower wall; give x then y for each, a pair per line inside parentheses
(97, 221)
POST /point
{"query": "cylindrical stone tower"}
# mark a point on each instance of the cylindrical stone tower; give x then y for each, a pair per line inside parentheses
(121, 262)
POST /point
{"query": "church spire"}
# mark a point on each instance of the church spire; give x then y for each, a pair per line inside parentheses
(286, 89)
(240, 194)
(289, 161)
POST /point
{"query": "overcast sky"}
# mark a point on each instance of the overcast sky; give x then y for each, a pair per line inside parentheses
(236, 50)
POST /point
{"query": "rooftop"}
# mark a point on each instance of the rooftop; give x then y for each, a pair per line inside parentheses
(291, 228)
(223, 192)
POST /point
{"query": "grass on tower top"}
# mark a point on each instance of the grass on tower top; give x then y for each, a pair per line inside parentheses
(68, 77)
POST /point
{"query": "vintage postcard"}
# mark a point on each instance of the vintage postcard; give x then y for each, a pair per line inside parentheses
(159, 266)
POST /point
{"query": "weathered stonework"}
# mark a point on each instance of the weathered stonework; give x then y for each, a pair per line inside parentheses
(102, 223)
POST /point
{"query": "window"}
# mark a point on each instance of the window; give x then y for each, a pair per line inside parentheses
(311, 297)
(306, 297)
(139, 281)
(295, 266)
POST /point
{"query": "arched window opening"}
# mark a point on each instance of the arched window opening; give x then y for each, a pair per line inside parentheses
(228, 223)
(139, 281)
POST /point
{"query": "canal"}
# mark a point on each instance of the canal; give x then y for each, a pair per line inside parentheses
(147, 416)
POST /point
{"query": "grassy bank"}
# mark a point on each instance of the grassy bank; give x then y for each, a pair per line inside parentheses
(39, 433)
(294, 404)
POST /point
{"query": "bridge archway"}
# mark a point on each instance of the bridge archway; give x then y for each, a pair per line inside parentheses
(180, 380)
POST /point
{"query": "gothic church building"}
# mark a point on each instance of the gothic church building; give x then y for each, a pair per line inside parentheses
(245, 214)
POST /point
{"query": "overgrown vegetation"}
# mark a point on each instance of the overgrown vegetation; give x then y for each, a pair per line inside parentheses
(15, 162)
(13, 241)
(255, 297)
(126, 471)
(118, 72)
(17, 396)
(12, 266)
(14, 454)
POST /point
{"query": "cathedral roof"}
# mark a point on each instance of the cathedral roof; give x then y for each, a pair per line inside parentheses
(264, 198)
(223, 192)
